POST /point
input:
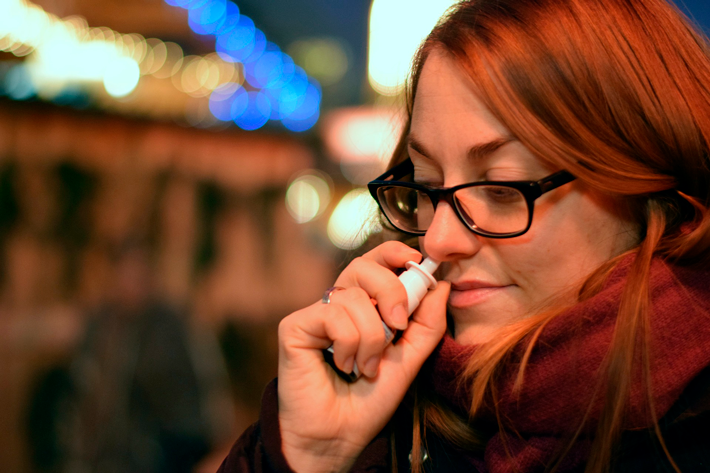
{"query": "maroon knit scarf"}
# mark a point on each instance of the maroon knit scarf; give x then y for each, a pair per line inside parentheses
(563, 370)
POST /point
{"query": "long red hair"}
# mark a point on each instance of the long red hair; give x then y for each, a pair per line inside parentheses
(616, 92)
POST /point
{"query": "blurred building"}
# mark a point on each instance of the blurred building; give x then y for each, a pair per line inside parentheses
(220, 247)
(176, 176)
(113, 360)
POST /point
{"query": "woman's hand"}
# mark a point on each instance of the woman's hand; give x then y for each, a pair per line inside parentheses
(326, 422)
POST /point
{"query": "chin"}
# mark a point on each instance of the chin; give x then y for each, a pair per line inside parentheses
(478, 323)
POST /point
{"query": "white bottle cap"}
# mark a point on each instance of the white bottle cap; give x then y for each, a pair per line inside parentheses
(417, 281)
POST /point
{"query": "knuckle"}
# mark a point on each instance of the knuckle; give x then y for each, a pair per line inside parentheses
(339, 321)
(390, 293)
(393, 245)
(387, 248)
(358, 294)
(394, 287)
(377, 336)
(285, 325)
(358, 263)
(351, 338)
(354, 269)
(346, 336)
(349, 296)
(290, 323)
(373, 334)
(337, 314)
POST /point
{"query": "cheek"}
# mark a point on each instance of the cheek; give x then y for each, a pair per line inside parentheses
(532, 267)
(549, 274)
(558, 253)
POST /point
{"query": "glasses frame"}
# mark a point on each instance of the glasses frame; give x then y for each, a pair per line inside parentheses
(531, 191)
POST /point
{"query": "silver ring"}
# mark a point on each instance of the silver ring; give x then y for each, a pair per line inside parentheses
(326, 295)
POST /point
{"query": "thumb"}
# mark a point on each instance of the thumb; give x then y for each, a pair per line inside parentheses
(426, 328)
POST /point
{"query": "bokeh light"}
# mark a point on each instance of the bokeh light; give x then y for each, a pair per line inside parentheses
(308, 196)
(18, 84)
(396, 31)
(266, 70)
(66, 57)
(256, 112)
(239, 103)
(362, 139)
(325, 59)
(302, 201)
(231, 19)
(121, 77)
(208, 18)
(238, 43)
(353, 220)
(221, 101)
(280, 87)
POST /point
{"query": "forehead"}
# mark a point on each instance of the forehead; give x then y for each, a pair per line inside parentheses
(446, 105)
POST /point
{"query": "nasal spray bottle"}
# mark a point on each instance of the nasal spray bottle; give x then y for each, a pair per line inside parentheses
(417, 280)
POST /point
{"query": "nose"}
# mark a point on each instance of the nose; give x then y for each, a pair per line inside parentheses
(448, 238)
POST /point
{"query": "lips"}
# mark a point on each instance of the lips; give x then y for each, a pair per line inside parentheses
(470, 285)
(469, 293)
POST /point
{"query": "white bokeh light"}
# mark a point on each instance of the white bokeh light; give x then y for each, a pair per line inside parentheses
(353, 220)
(302, 201)
(396, 31)
(121, 77)
(65, 54)
(308, 196)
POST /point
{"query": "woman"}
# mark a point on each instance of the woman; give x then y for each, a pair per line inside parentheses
(574, 318)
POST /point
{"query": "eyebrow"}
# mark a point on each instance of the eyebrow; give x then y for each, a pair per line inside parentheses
(476, 152)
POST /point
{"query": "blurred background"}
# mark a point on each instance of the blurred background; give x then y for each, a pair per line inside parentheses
(176, 176)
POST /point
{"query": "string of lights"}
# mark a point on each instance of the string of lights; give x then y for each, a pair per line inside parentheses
(248, 80)
(275, 88)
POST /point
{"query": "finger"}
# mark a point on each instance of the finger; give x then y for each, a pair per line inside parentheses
(382, 285)
(431, 312)
(317, 327)
(368, 323)
(345, 336)
(427, 327)
(393, 254)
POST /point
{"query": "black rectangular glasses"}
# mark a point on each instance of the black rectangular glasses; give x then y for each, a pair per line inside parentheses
(494, 209)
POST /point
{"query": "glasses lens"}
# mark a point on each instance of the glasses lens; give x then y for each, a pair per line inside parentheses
(493, 209)
(407, 209)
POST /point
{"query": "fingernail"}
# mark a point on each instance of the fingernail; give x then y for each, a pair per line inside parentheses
(348, 365)
(371, 366)
(399, 317)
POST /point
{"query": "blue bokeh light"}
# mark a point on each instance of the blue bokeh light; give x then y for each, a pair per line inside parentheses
(208, 18)
(293, 93)
(191, 4)
(231, 20)
(274, 95)
(18, 83)
(221, 101)
(306, 114)
(288, 69)
(240, 101)
(238, 43)
(289, 91)
(259, 46)
(256, 113)
(309, 104)
(73, 96)
(266, 70)
(301, 125)
(284, 92)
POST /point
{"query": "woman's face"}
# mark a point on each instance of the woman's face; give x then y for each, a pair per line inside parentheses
(454, 139)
